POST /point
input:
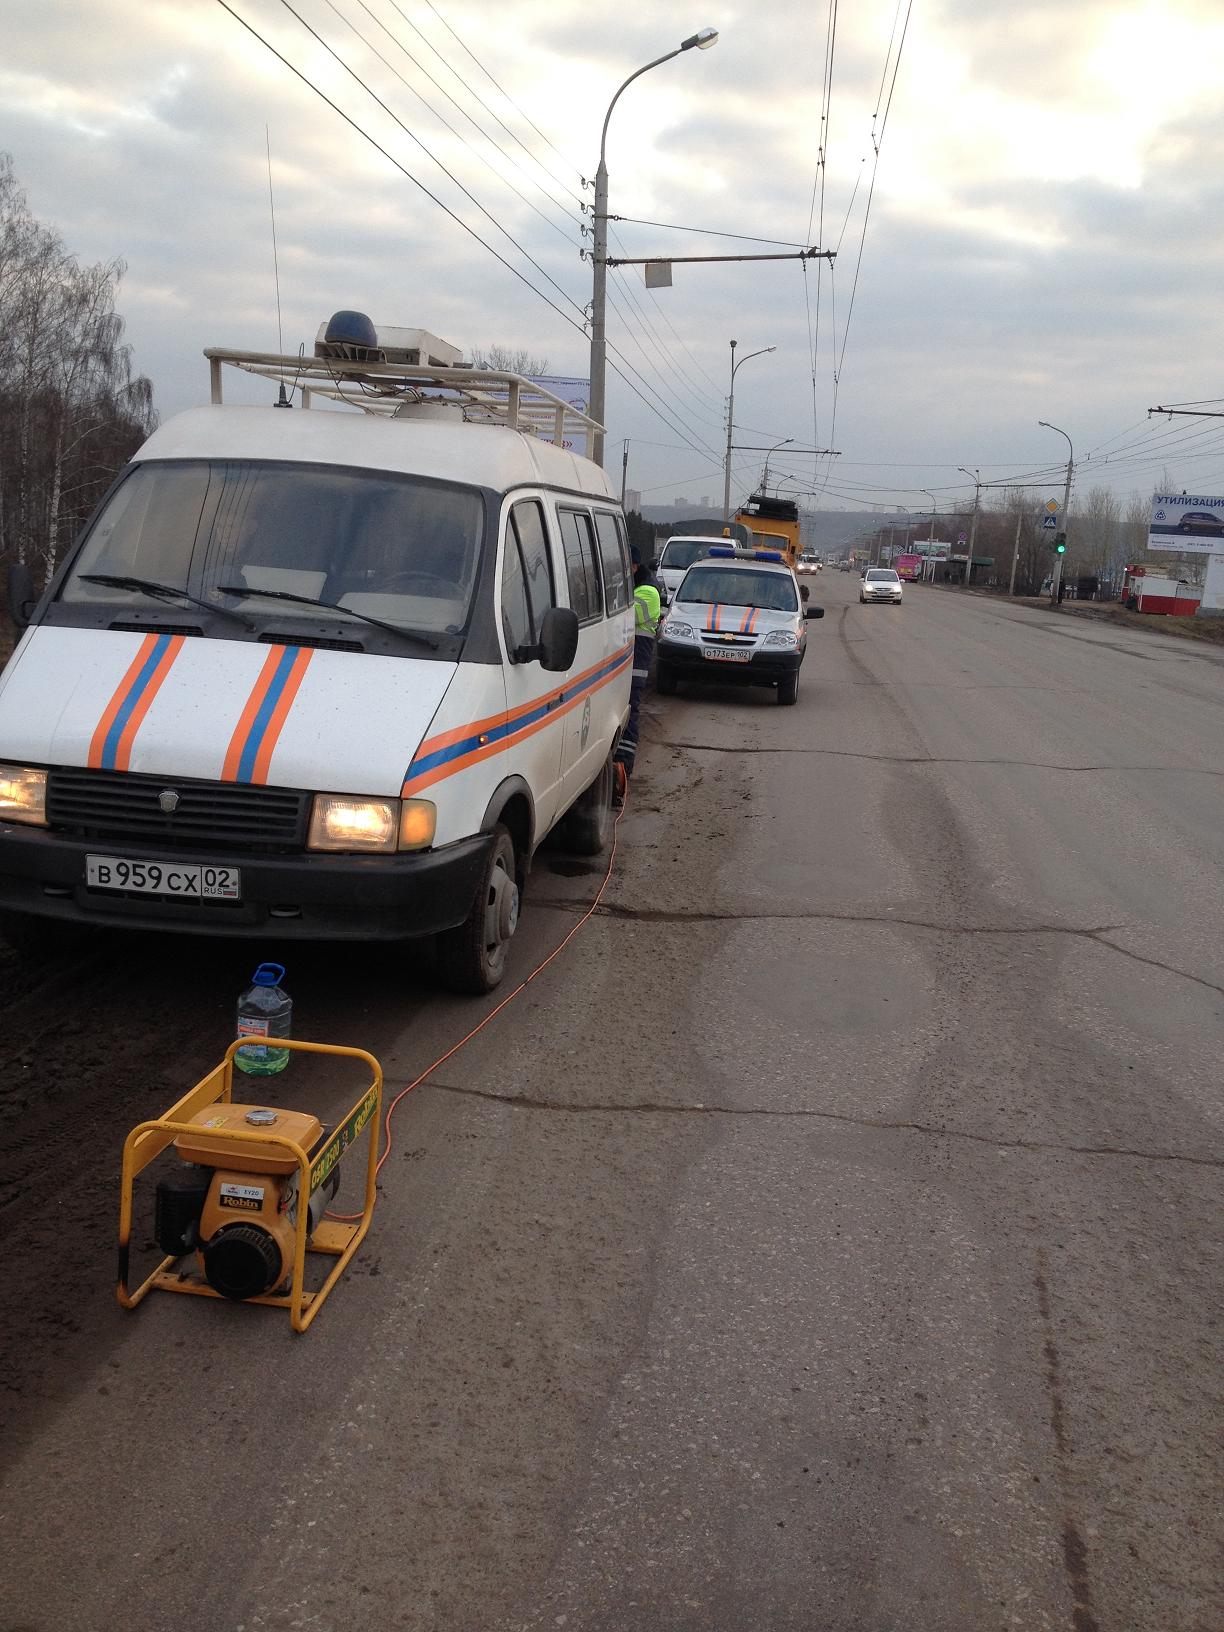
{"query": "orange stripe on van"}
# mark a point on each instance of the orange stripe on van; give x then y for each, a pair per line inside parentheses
(123, 754)
(263, 758)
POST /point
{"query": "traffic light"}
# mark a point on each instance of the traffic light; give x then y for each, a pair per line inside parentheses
(1060, 543)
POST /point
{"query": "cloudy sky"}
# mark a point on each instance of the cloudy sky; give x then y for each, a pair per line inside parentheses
(1044, 237)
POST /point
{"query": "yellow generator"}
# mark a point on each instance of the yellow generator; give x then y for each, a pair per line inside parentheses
(251, 1196)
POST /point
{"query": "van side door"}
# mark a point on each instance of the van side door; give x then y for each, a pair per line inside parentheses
(584, 748)
(534, 722)
(612, 700)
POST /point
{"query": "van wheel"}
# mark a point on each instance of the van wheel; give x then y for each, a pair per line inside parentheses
(665, 680)
(788, 687)
(586, 827)
(472, 957)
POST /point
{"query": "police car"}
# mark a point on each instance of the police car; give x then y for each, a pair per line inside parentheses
(738, 616)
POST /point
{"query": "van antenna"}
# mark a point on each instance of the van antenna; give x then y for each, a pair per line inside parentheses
(282, 400)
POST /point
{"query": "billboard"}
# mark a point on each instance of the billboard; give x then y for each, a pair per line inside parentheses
(1186, 523)
(574, 391)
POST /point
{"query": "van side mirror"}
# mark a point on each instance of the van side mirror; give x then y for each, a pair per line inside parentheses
(21, 597)
(814, 612)
(558, 639)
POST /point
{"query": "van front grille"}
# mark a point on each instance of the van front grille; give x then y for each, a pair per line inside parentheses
(207, 815)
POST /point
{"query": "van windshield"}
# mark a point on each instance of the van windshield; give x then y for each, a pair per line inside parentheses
(396, 548)
(679, 553)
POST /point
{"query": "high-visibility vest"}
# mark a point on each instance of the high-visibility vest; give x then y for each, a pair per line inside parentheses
(646, 609)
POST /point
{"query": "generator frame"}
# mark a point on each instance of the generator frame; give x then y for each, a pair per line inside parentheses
(331, 1238)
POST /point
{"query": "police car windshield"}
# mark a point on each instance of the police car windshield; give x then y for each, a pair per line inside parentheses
(375, 545)
(708, 585)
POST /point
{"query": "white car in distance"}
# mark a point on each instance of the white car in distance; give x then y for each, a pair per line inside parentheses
(880, 584)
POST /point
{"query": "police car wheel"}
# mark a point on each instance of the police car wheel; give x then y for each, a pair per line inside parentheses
(788, 687)
(665, 680)
(472, 957)
(587, 827)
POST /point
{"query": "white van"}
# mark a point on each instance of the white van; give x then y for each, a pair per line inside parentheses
(326, 675)
(678, 555)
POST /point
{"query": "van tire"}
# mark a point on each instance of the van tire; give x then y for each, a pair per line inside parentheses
(472, 957)
(586, 827)
(788, 687)
(665, 680)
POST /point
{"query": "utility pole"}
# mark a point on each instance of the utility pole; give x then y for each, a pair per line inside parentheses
(1011, 588)
(1056, 577)
(624, 470)
(977, 494)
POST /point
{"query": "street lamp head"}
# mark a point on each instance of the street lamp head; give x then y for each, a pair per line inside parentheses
(703, 40)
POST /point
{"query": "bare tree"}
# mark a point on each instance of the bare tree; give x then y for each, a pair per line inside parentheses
(509, 360)
(71, 412)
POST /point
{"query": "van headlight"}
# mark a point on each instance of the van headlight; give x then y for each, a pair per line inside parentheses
(338, 822)
(23, 795)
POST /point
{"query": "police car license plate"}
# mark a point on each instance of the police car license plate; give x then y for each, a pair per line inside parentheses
(198, 881)
(729, 654)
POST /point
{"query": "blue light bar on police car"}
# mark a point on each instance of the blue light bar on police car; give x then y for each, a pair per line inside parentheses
(722, 550)
(767, 555)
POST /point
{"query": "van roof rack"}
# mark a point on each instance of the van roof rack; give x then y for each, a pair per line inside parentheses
(487, 396)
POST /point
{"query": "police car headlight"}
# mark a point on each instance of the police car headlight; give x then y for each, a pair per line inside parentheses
(23, 795)
(781, 637)
(339, 823)
(679, 631)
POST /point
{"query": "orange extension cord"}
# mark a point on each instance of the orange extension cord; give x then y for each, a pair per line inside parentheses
(494, 1012)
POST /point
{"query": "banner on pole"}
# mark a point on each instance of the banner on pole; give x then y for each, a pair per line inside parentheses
(574, 391)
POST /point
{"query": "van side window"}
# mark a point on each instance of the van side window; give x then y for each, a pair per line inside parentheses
(527, 524)
(578, 542)
(515, 612)
(615, 576)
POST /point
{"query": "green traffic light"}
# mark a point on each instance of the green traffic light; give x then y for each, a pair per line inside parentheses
(1060, 544)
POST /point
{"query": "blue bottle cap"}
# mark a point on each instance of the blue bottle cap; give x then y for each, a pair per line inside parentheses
(268, 974)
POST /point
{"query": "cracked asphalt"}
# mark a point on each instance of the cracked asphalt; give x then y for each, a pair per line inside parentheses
(827, 1241)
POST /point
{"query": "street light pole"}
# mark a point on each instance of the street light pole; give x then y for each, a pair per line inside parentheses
(731, 422)
(1056, 575)
(783, 444)
(934, 507)
(976, 477)
(703, 39)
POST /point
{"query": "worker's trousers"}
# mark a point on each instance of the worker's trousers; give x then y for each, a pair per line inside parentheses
(643, 652)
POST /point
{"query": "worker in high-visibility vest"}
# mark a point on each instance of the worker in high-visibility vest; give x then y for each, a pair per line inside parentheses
(646, 611)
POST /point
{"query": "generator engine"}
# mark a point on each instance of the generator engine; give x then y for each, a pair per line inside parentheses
(236, 1209)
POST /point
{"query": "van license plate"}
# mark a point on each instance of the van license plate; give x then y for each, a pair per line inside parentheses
(729, 655)
(199, 881)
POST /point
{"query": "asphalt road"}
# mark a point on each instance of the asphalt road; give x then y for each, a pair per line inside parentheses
(828, 1240)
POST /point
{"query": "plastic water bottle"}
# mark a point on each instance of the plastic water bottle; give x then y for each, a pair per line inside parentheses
(264, 1010)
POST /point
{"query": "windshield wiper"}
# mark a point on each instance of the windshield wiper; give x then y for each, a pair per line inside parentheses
(160, 592)
(331, 606)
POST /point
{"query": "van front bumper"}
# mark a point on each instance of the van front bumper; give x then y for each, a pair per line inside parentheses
(299, 897)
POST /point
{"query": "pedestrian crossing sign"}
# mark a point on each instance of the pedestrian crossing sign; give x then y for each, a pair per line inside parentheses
(1049, 523)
